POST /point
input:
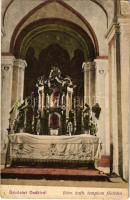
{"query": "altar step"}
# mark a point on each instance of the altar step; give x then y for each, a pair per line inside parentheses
(53, 173)
(55, 164)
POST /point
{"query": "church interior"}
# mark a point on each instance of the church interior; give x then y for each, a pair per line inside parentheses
(65, 82)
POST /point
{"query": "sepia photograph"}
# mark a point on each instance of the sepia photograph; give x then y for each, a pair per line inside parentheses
(65, 106)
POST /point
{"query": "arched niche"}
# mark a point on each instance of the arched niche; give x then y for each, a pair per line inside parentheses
(54, 9)
(60, 35)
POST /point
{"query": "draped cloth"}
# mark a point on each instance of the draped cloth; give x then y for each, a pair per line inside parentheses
(28, 147)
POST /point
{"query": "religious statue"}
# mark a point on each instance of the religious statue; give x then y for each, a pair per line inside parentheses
(39, 125)
(18, 125)
(95, 113)
(70, 123)
(90, 118)
(86, 117)
(28, 115)
(55, 73)
(70, 128)
(96, 109)
(67, 81)
(13, 121)
(15, 106)
(93, 127)
(40, 81)
(71, 116)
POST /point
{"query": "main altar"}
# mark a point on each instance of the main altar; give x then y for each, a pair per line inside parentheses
(50, 125)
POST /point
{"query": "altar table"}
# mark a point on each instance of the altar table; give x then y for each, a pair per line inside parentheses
(41, 148)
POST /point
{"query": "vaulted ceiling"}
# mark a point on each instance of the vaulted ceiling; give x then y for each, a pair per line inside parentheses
(103, 4)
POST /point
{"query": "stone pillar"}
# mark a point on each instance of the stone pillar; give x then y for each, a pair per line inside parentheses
(125, 91)
(113, 98)
(118, 37)
(18, 79)
(85, 67)
(89, 82)
(101, 87)
(6, 92)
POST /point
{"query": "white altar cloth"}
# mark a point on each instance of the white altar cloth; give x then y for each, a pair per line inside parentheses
(41, 148)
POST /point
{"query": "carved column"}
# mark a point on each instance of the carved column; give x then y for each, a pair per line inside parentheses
(18, 79)
(6, 92)
(118, 38)
(125, 95)
(114, 84)
(18, 84)
(85, 67)
(89, 82)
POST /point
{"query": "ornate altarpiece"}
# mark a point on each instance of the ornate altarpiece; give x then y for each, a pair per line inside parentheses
(52, 109)
(58, 122)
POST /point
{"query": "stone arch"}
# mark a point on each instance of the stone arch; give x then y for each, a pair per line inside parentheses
(37, 14)
(36, 22)
(102, 7)
(83, 47)
(35, 29)
(9, 3)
